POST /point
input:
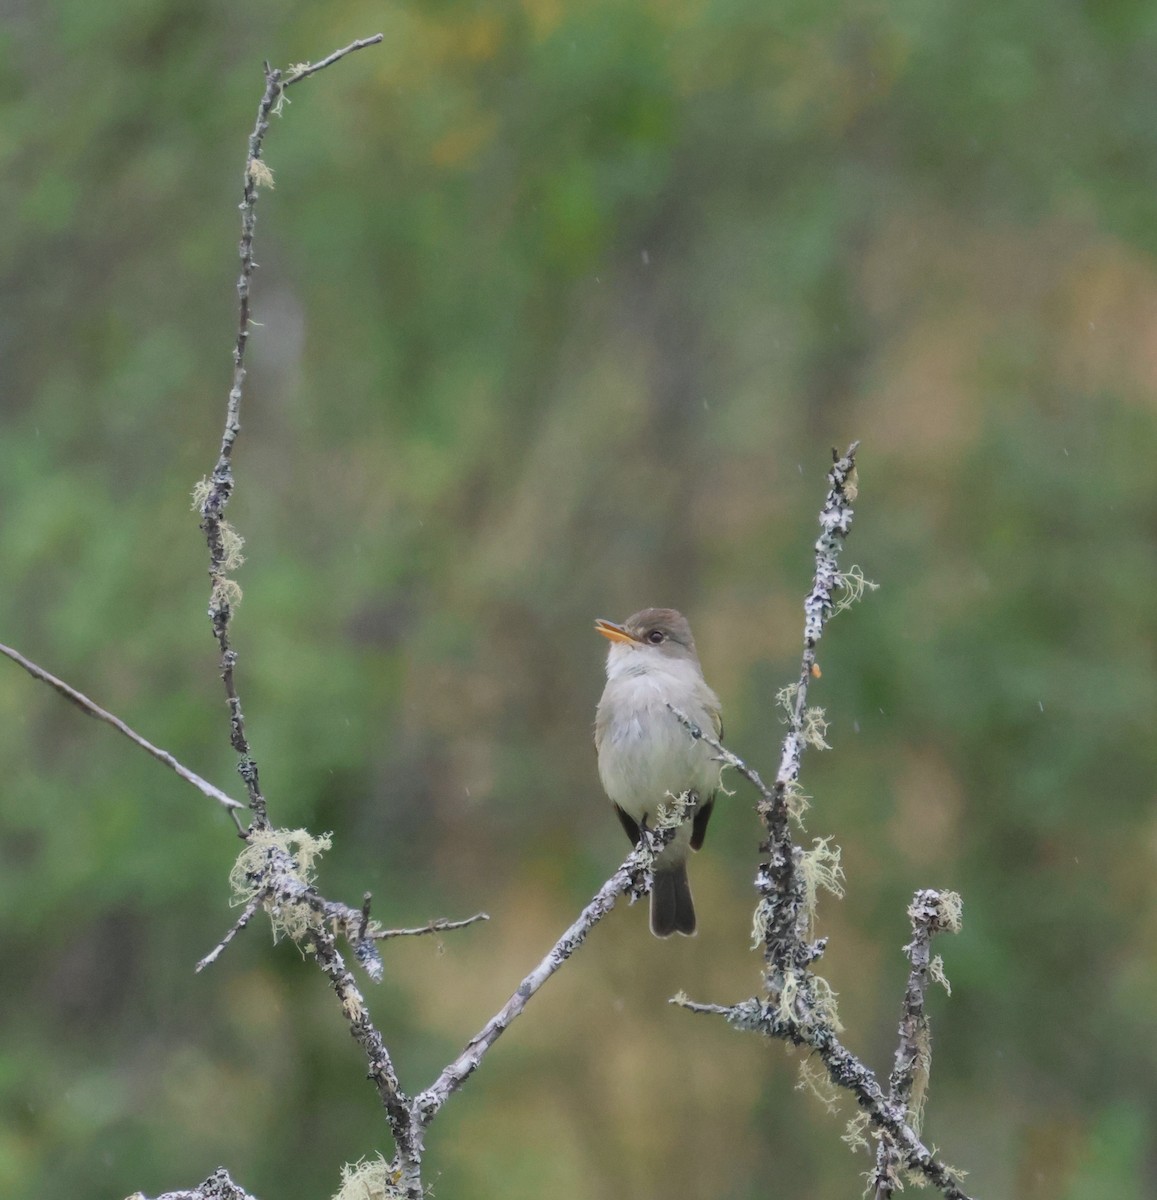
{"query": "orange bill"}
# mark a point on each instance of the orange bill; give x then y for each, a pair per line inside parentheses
(616, 633)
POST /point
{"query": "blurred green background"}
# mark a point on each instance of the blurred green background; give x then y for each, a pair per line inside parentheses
(562, 306)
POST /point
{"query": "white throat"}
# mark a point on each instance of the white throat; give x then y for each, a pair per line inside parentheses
(626, 662)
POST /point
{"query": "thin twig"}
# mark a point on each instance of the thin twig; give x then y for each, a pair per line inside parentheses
(304, 70)
(94, 710)
(243, 920)
(724, 755)
(438, 925)
(218, 536)
(223, 596)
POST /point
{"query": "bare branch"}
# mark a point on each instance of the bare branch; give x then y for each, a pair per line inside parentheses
(628, 878)
(94, 710)
(724, 755)
(304, 70)
(437, 925)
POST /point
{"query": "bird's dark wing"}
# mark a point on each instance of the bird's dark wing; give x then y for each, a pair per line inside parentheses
(699, 823)
(629, 824)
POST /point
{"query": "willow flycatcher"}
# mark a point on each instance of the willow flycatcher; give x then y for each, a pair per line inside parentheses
(646, 758)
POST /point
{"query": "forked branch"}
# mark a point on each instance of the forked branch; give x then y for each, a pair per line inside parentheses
(931, 912)
(797, 1005)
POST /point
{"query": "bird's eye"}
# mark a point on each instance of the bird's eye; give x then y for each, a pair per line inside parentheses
(655, 636)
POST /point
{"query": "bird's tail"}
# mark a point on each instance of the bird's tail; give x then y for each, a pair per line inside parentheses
(672, 909)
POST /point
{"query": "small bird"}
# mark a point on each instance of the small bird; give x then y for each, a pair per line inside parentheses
(646, 757)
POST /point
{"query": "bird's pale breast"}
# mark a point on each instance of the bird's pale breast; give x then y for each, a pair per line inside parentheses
(644, 752)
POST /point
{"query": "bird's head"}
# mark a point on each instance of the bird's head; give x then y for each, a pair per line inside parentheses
(654, 633)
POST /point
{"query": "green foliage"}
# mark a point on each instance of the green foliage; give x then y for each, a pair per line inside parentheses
(560, 307)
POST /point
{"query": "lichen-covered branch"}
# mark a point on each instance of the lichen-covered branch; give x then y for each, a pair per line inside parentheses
(846, 1071)
(407, 1132)
(275, 870)
(931, 912)
(786, 950)
(798, 1006)
(887, 1115)
(214, 494)
(217, 1187)
(280, 879)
